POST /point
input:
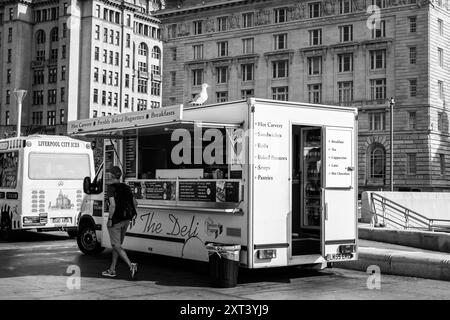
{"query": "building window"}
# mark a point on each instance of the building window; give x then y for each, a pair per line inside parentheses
(8, 97)
(52, 75)
(126, 101)
(97, 11)
(280, 15)
(9, 58)
(247, 71)
(345, 61)
(63, 52)
(412, 120)
(142, 67)
(377, 121)
(222, 49)
(97, 32)
(280, 41)
(54, 35)
(173, 78)
(173, 52)
(198, 51)
(345, 6)
(7, 118)
(345, 91)
(95, 96)
(380, 31)
(222, 96)
(377, 162)
(62, 94)
(280, 69)
(116, 60)
(412, 24)
(411, 163)
(222, 24)
(247, 45)
(94, 114)
(440, 57)
(440, 121)
(143, 49)
(346, 33)
(111, 36)
(142, 86)
(197, 77)
(51, 98)
(38, 77)
(377, 59)
(441, 90)
(441, 27)
(156, 88)
(127, 60)
(116, 79)
(37, 118)
(8, 76)
(40, 37)
(248, 20)
(110, 78)
(109, 98)
(156, 70)
(51, 118)
(11, 14)
(103, 97)
(315, 9)
(127, 80)
(412, 55)
(128, 40)
(38, 98)
(198, 27)
(97, 54)
(378, 89)
(413, 87)
(40, 55)
(64, 31)
(247, 93)
(156, 53)
(280, 93)
(314, 65)
(116, 99)
(315, 37)
(111, 57)
(104, 77)
(105, 56)
(62, 116)
(379, 3)
(10, 35)
(315, 93)
(222, 75)
(442, 164)
(54, 54)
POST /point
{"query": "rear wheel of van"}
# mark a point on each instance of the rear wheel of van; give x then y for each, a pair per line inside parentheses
(87, 240)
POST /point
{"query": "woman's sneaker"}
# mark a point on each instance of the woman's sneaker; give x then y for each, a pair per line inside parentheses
(109, 273)
(133, 271)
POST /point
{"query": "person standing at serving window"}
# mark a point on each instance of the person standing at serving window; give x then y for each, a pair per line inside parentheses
(122, 209)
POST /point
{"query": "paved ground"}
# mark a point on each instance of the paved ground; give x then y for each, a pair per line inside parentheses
(35, 266)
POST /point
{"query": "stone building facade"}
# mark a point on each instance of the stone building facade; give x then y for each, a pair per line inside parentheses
(340, 52)
(77, 59)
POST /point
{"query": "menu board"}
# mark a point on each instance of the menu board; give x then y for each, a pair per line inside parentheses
(339, 152)
(154, 190)
(197, 191)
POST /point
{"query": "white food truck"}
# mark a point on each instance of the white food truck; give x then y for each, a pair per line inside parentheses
(41, 182)
(277, 178)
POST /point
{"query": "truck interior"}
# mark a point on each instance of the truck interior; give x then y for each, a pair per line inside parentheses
(306, 190)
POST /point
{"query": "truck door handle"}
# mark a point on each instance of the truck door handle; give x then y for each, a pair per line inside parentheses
(326, 211)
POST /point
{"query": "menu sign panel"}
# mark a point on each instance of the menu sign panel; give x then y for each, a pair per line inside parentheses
(154, 190)
(197, 191)
(339, 154)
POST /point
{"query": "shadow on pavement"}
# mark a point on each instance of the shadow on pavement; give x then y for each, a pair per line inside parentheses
(33, 236)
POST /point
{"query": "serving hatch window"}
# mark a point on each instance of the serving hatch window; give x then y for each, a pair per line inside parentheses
(163, 153)
(9, 164)
(54, 166)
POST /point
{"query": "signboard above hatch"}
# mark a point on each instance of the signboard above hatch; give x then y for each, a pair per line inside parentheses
(126, 120)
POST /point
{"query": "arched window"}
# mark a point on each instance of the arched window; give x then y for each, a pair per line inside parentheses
(40, 37)
(377, 162)
(156, 52)
(143, 49)
(54, 35)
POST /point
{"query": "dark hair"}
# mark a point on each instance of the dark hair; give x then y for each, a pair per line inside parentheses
(116, 172)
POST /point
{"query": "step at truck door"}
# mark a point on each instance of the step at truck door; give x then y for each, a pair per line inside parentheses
(339, 214)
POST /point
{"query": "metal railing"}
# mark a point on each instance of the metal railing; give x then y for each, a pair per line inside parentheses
(395, 215)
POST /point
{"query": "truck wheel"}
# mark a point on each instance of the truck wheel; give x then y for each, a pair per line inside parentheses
(87, 240)
(72, 233)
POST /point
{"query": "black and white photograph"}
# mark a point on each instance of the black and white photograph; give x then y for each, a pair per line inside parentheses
(224, 155)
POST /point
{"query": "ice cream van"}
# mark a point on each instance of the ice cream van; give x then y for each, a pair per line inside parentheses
(41, 182)
(276, 179)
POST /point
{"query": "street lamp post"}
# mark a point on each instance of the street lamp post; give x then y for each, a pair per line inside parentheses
(391, 106)
(20, 95)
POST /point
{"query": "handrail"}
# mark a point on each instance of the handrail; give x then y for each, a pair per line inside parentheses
(401, 216)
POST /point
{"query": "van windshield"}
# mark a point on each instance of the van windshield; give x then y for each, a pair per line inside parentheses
(54, 166)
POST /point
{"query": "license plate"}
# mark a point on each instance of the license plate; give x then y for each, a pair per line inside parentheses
(61, 220)
(339, 256)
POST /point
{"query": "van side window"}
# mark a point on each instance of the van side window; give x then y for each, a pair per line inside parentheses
(9, 163)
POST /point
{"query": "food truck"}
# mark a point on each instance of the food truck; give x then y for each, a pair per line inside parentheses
(277, 178)
(41, 182)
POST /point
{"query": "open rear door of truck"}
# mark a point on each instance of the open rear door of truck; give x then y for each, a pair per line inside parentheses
(339, 192)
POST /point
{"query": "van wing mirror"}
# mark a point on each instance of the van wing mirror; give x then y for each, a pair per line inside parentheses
(87, 185)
